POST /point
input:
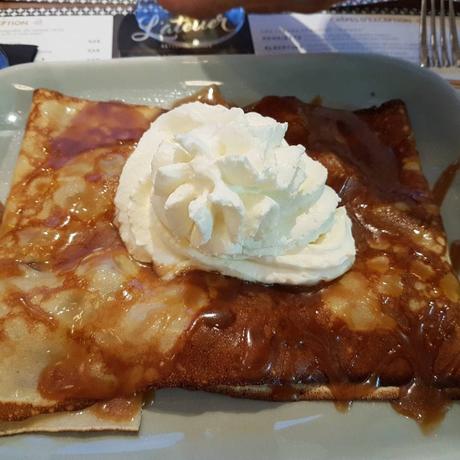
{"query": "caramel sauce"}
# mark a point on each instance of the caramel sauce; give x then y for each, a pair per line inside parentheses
(440, 189)
(94, 239)
(342, 132)
(412, 403)
(149, 398)
(345, 393)
(98, 125)
(219, 318)
(208, 95)
(117, 409)
(455, 255)
(442, 185)
(343, 406)
(9, 268)
(73, 377)
(34, 312)
(251, 334)
(2, 210)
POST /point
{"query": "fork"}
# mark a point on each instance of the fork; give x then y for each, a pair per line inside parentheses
(447, 54)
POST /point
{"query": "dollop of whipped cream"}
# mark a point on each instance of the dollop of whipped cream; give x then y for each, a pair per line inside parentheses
(219, 189)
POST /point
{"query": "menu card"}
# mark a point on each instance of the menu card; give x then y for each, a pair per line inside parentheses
(61, 38)
(391, 35)
(88, 33)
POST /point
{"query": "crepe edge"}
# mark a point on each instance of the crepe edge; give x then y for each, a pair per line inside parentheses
(303, 392)
(84, 420)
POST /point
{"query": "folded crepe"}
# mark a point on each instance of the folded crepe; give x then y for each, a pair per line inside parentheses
(20, 400)
(81, 321)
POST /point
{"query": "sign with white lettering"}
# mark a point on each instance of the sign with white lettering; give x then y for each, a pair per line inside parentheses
(184, 32)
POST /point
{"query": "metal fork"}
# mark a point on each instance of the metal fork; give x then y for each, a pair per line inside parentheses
(447, 54)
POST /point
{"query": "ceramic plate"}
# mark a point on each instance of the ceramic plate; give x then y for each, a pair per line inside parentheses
(195, 425)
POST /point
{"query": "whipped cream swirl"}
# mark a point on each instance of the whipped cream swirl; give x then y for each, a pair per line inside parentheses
(218, 189)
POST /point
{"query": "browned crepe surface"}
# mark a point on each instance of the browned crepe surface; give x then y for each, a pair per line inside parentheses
(104, 325)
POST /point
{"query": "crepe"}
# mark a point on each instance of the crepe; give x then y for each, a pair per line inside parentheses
(81, 321)
(115, 415)
(25, 400)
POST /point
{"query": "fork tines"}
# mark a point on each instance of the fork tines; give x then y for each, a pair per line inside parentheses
(447, 52)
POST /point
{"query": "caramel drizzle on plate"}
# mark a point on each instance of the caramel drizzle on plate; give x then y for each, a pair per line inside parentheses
(440, 189)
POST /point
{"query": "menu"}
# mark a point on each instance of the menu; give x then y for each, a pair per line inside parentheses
(61, 38)
(106, 33)
(392, 35)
